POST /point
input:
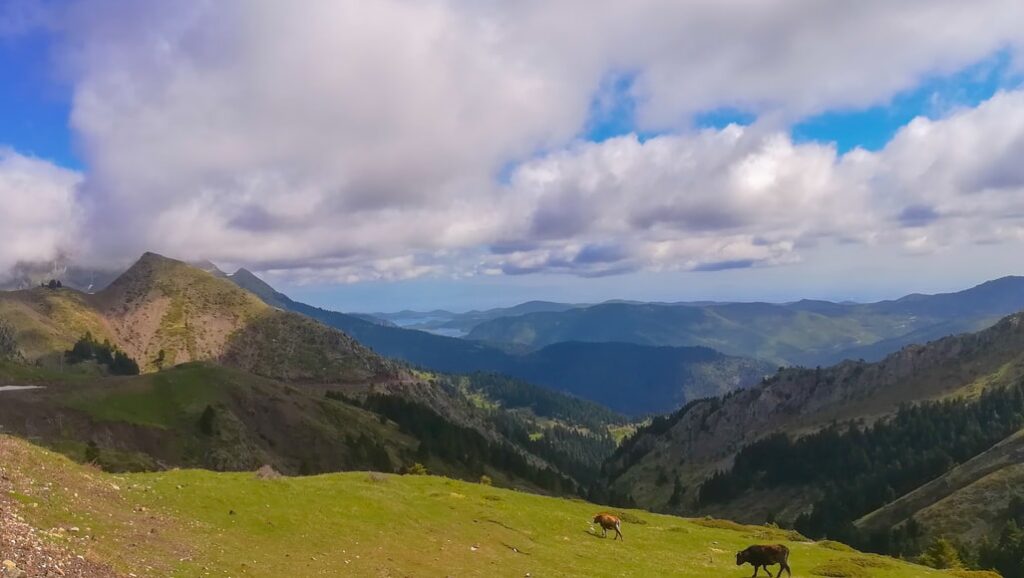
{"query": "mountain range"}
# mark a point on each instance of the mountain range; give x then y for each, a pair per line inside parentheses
(626, 377)
(882, 454)
(805, 332)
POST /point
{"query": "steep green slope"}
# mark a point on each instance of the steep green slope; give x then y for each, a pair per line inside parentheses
(969, 502)
(804, 332)
(189, 523)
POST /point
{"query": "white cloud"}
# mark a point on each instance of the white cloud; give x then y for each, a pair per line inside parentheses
(362, 139)
(39, 215)
(741, 197)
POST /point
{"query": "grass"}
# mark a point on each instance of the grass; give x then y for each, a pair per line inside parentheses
(197, 523)
(162, 400)
(48, 321)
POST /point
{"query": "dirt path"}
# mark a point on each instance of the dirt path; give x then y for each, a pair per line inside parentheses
(23, 551)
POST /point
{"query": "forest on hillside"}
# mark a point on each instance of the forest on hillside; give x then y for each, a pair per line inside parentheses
(858, 469)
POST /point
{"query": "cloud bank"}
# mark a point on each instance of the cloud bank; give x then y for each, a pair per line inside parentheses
(40, 214)
(390, 139)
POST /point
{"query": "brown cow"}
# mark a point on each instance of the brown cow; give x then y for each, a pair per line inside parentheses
(608, 522)
(765, 556)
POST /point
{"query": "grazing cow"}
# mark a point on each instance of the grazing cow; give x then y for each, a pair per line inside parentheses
(765, 556)
(608, 522)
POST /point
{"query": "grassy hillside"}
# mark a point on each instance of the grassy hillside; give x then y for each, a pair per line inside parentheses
(196, 415)
(189, 523)
(47, 321)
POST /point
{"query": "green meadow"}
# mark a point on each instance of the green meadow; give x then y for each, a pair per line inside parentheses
(197, 523)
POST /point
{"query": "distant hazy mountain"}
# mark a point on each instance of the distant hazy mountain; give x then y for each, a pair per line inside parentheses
(626, 377)
(805, 332)
(452, 324)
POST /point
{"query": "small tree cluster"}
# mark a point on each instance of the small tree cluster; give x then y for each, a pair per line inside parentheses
(116, 361)
(52, 284)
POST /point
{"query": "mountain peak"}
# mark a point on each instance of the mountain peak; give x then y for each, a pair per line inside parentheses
(209, 267)
(248, 280)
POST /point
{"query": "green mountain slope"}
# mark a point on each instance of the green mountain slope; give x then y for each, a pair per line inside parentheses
(804, 332)
(210, 416)
(47, 322)
(968, 502)
(189, 523)
(703, 438)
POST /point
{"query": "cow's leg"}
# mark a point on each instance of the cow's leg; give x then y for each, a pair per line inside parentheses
(784, 566)
(756, 569)
(618, 534)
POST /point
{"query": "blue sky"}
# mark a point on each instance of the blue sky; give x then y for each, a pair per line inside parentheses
(34, 104)
(633, 169)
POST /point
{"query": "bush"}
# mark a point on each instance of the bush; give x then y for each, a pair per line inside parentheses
(486, 480)
(941, 554)
(416, 469)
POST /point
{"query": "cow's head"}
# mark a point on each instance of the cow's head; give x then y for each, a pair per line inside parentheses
(741, 558)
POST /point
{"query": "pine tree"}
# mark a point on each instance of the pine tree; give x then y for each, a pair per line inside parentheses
(941, 554)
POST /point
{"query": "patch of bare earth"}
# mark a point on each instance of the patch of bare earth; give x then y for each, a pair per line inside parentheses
(25, 554)
(133, 537)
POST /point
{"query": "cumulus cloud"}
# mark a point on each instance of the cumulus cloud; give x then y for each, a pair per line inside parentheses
(40, 214)
(363, 139)
(741, 197)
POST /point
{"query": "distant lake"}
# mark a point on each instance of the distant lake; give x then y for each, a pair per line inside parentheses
(447, 332)
(4, 388)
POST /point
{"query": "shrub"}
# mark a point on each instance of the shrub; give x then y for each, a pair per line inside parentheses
(416, 469)
(486, 480)
(941, 554)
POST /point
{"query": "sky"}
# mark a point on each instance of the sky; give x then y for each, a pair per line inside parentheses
(374, 155)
